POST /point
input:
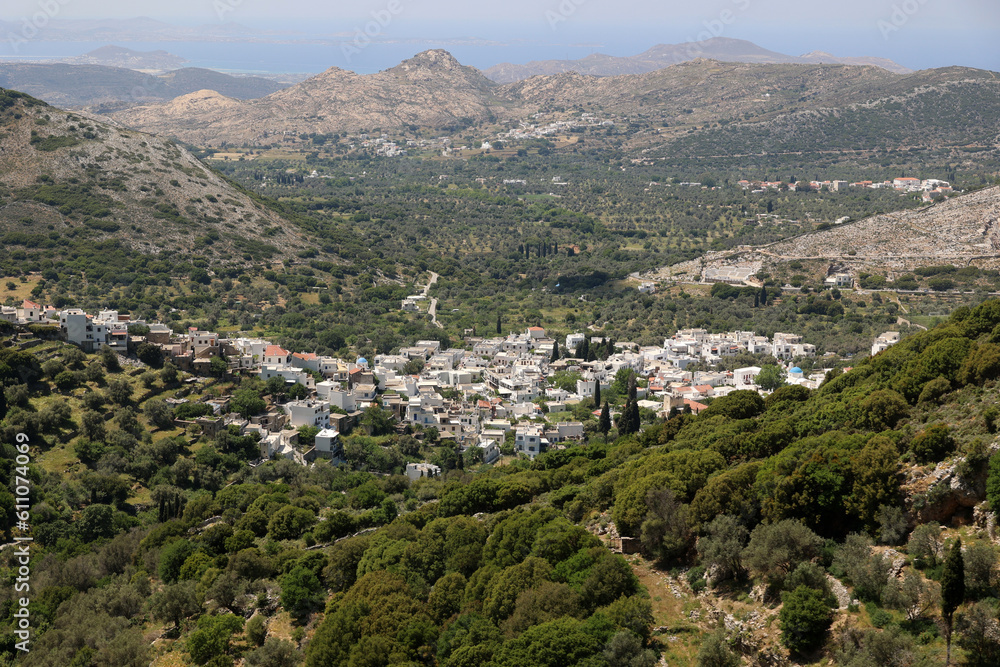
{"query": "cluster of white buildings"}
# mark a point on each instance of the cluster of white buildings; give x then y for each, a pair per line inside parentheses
(476, 396)
(527, 130)
(885, 341)
(932, 187)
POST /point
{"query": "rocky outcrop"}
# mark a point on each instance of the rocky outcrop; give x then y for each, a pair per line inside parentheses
(961, 231)
(430, 90)
(985, 520)
(941, 493)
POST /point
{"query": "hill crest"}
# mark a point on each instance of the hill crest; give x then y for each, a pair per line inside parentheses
(67, 174)
(724, 49)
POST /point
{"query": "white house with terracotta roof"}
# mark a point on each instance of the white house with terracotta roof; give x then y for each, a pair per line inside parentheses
(30, 312)
(306, 360)
(274, 355)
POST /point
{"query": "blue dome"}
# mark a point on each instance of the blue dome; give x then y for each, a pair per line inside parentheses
(361, 360)
(795, 370)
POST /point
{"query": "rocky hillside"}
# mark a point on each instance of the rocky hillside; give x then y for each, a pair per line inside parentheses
(430, 90)
(108, 88)
(705, 90)
(664, 55)
(962, 231)
(698, 108)
(65, 175)
(952, 108)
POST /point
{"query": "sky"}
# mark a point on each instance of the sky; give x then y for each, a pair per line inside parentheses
(915, 33)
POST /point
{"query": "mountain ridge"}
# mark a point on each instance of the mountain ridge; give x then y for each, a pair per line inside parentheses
(688, 101)
(83, 179)
(723, 49)
(118, 56)
(74, 85)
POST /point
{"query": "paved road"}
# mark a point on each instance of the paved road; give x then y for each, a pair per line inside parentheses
(427, 287)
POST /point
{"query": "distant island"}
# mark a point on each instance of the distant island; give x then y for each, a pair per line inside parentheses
(118, 56)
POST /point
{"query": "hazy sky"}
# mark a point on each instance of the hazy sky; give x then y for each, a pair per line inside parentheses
(916, 33)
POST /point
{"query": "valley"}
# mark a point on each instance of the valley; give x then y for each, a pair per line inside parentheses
(685, 365)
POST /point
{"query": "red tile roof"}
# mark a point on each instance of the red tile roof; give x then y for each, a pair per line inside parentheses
(275, 351)
(30, 304)
(305, 356)
(695, 406)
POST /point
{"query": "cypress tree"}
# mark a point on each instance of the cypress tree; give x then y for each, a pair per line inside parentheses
(597, 392)
(952, 590)
(628, 422)
(499, 329)
(763, 295)
(555, 353)
(604, 422)
(634, 420)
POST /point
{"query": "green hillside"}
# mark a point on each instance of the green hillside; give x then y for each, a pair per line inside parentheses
(506, 565)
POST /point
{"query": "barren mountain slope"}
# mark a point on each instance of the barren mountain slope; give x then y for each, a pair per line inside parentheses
(957, 231)
(107, 89)
(430, 90)
(64, 174)
(961, 231)
(703, 87)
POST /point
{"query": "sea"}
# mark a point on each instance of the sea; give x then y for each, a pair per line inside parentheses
(313, 56)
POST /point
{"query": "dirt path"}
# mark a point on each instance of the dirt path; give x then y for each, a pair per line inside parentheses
(432, 309)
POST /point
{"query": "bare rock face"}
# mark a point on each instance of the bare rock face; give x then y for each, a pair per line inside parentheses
(938, 495)
(839, 591)
(961, 231)
(985, 520)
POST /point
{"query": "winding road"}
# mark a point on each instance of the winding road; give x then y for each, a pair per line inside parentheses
(432, 309)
